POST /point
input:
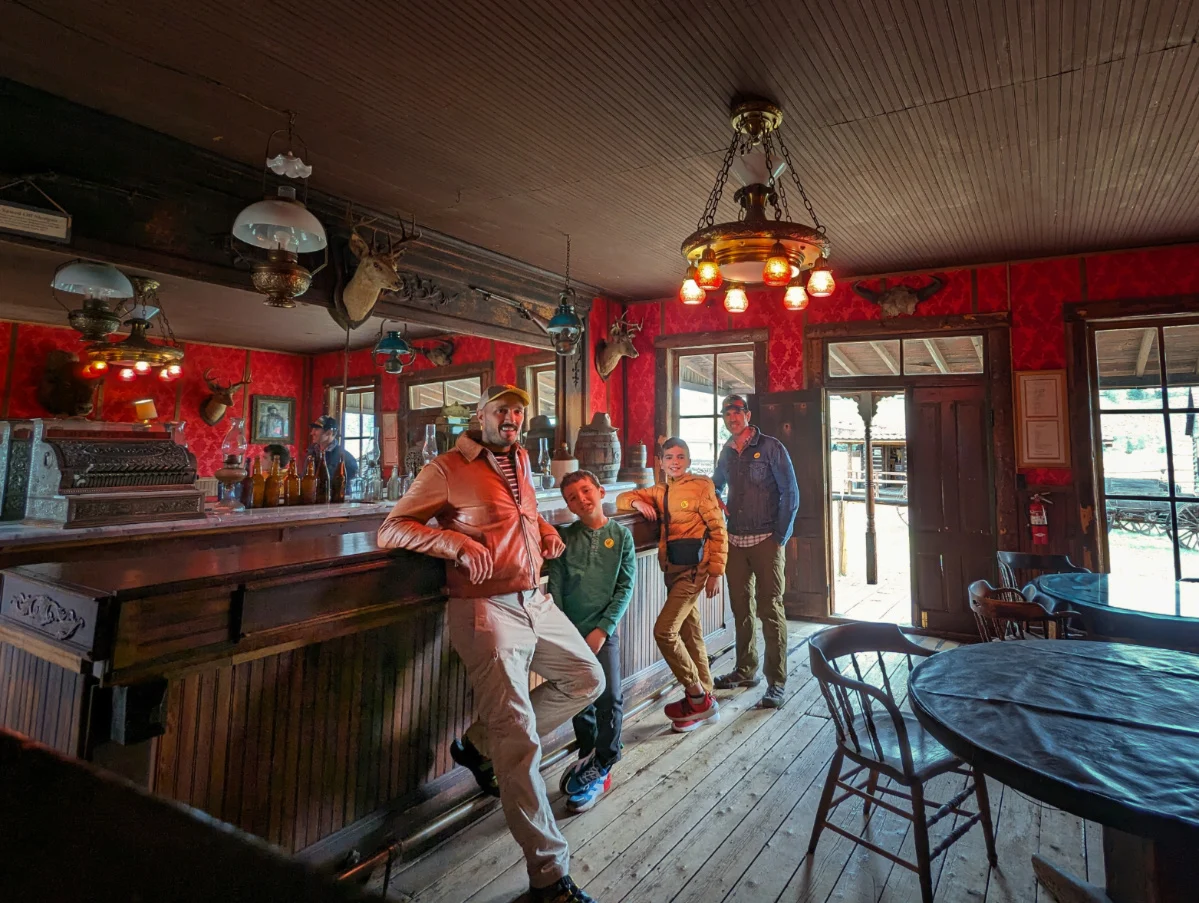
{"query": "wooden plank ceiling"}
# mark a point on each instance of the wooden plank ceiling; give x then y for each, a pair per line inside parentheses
(932, 132)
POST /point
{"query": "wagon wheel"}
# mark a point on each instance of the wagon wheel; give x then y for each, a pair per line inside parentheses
(1188, 526)
(1138, 522)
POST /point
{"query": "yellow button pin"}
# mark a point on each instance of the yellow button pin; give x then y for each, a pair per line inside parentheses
(609, 542)
(684, 503)
(757, 454)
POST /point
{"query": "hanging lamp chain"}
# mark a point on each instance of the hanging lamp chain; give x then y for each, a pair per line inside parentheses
(709, 214)
(798, 184)
(773, 190)
(568, 263)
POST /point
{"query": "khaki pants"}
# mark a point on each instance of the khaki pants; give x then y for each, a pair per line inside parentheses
(755, 577)
(499, 641)
(679, 632)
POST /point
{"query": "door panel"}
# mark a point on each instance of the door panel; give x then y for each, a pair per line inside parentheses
(951, 502)
(797, 420)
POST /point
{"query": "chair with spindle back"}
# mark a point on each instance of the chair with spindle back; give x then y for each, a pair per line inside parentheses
(1017, 569)
(1003, 613)
(882, 742)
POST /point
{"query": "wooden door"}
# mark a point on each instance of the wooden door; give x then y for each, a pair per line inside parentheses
(797, 420)
(950, 502)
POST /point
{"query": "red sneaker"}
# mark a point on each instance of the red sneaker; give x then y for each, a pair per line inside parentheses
(686, 710)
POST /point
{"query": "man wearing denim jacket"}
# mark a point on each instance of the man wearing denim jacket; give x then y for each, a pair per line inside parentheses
(763, 499)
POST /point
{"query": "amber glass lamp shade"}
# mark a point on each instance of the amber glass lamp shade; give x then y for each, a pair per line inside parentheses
(736, 301)
(707, 272)
(820, 282)
(776, 271)
(795, 298)
(691, 293)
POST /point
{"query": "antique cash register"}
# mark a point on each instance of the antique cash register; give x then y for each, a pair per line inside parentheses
(85, 474)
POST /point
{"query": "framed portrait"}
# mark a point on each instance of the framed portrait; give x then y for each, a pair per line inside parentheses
(1042, 430)
(272, 419)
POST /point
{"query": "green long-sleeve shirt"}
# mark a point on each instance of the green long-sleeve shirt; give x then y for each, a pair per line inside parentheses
(592, 581)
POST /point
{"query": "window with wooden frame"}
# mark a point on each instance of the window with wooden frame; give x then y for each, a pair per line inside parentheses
(934, 355)
(355, 408)
(700, 379)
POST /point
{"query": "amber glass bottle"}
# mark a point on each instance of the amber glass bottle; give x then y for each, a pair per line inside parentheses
(322, 481)
(258, 482)
(292, 490)
(308, 484)
(337, 486)
(273, 496)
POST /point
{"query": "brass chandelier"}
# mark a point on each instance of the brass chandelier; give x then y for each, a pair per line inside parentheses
(764, 246)
(136, 354)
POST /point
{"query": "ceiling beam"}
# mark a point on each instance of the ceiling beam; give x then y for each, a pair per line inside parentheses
(835, 356)
(977, 342)
(881, 350)
(1147, 338)
(936, 355)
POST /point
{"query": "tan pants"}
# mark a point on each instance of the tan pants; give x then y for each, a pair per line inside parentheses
(679, 632)
(499, 641)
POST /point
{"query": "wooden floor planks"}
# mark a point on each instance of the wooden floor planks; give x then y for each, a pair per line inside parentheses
(723, 815)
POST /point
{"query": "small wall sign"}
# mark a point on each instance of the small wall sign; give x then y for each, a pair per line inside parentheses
(35, 222)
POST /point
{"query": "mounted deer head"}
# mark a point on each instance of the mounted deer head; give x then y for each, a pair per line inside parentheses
(620, 344)
(213, 408)
(441, 354)
(376, 272)
(900, 299)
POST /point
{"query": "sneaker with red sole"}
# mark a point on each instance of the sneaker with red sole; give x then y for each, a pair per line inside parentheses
(686, 710)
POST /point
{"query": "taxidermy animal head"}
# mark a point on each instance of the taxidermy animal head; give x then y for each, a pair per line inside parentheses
(899, 300)
(63, 389)
(620, 344)
(441, 354)
(213, 408)
(376, 272)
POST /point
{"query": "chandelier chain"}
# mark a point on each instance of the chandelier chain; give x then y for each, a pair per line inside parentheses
(773, 189)
(798, 184)
(709, 214)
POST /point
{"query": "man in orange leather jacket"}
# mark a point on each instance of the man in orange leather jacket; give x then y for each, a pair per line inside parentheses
(501, 623)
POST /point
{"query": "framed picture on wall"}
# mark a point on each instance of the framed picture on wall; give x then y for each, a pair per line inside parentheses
(1042, 430)
(272, 419)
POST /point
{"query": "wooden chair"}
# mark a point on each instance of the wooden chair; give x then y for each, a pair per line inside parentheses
(881, 742)
(1003, 613)
(1017, 569)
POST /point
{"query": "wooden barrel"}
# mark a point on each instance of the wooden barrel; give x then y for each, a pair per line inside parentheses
(634, 469)
(598, 448)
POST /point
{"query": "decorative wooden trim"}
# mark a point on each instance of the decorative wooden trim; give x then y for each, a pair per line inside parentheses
(1128, 308)
(910, 325)
(712, 339)
(1050, 411)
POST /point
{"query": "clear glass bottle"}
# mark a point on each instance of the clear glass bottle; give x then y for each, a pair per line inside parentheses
(429, 449)
(394, 485)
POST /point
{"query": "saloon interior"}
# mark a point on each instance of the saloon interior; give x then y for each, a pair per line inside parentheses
(948, 250)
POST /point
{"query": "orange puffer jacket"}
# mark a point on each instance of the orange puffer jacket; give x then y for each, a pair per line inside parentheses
(694, 512)
(465, 490)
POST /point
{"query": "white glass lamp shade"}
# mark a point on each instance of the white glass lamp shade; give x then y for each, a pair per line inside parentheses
(95, 280)
(750, 168)
(280, 224)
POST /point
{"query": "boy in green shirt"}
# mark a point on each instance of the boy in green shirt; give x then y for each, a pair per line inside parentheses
(592, 582)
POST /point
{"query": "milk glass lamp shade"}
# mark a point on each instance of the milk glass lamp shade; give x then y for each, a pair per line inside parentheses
(95, 280)
(280, 224)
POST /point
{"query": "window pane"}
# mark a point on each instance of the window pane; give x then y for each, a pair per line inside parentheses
(697, 432)
(864, 358)
(368, 426)
(427, 395)
(1134, 454)
(735, 373)
(462, 391)
(1188, 545)
(943, 354)
(697, 394)
(547, 392)
(1138, 538)
(1182, 365)
(1127, 362)
(1184, 429)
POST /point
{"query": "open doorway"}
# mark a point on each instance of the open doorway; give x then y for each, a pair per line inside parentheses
(868, 506)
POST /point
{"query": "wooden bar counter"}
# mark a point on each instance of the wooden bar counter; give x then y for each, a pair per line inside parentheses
(304, 691)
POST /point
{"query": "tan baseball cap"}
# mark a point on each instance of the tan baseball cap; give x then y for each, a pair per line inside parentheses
(494, 393)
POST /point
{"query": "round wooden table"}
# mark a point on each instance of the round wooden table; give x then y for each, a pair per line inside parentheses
(1108, 732)
(1163, 613)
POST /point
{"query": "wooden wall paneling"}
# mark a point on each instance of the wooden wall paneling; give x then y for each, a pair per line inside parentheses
(1088, 542)
(42, 700)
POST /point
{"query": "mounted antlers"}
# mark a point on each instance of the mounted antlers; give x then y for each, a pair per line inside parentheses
(375, 273)
(900, 299)
(213, 408)
(609, 352)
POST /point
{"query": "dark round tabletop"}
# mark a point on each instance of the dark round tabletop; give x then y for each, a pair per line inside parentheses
(1156, 613)
(1106, 731)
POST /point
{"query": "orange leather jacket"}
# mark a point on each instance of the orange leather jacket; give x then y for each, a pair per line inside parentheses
(694, 513)
(468, 495)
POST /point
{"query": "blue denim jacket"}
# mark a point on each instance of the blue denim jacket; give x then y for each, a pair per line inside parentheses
(763, 496)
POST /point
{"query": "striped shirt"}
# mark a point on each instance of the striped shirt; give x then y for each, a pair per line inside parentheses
(507, 465)
(744, 542)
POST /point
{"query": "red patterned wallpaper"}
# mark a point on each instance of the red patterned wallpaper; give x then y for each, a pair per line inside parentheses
(992, 288)
(5, 339)
(1038, 292)
(1143, 274)
(504, 358)
(33, 344)
(640, 377)
(228, 365)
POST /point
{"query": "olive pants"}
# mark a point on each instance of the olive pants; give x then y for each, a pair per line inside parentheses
(756, 581)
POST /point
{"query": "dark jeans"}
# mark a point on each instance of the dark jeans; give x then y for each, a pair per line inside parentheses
(597, 727)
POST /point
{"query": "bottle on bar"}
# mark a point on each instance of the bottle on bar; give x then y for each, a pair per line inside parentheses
(322, 480)
(337, 486)
(259, 485)
(274, 486)
(393, 484)
(247, 487)
(308, 484)
(293, 483)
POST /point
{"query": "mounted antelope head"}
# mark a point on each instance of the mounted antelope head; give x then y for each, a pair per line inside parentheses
(620, 344)
(899, 299)
(213, 408)
(376, 272)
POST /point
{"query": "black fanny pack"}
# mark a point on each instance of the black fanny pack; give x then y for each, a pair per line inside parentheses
(686, 552)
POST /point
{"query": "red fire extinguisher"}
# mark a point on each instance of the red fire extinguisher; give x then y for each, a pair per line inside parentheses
(1038, 520)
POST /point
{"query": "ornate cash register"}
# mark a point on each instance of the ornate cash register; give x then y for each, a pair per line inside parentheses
(83, 474)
